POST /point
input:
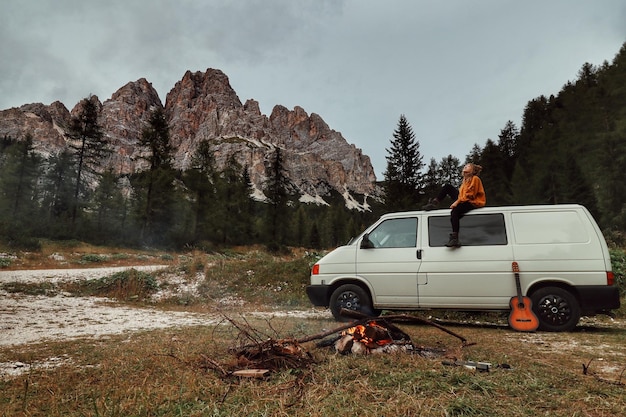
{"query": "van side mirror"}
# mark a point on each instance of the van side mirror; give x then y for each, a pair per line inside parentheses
(366, 243)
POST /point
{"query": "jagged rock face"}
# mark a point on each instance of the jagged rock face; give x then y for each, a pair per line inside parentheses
(46, 124)
(123, 118)
(203, 106)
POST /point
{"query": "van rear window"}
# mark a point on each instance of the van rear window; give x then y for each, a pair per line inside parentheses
(476, 230)
(549, 227)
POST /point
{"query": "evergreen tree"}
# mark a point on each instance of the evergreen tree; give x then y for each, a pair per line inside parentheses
(277, 193)
(155, 193)
(300, 227)
(520, 194)
(232, 218)
(109, 208)
(200, 179)
(58, 196)
(493, 176)
(19, 172)
(450, 171)
(88, 147)
(507, 141)
(432, 179)
(315, 241)
(403, 178)
(474, 155)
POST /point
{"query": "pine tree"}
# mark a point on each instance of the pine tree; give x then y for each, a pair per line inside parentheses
(450, 171)
(507, 144)
(19, 172)
(88, 147)
(277, 193)
(403, 179)
(231, 218)
(432, 179)
(109, 209)
(155, 191)
(58, 196)
(200, 179)
(493, 176)
(474, 155)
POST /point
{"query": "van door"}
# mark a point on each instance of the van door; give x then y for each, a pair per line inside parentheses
(476, 275)
(389, 260)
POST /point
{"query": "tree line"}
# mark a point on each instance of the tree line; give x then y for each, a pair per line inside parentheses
(68, 196)
(570, 148)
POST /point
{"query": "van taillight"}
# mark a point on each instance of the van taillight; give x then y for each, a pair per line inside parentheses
(315, 270)
(610, 278)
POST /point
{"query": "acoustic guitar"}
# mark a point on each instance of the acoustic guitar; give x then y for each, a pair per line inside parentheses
(522, 317)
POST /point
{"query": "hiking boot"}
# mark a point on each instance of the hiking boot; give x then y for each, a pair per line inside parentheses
(454, 241)
(433, 203)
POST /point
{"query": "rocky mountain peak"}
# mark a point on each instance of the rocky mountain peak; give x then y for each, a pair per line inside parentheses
(203, 106)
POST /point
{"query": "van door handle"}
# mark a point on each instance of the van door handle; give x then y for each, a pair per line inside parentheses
(419, 254)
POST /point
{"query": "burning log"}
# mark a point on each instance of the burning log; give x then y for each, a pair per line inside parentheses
(372, 337)
(403, 318)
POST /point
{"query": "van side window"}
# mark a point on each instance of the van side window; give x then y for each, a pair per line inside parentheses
(395, 233)
(476, 230)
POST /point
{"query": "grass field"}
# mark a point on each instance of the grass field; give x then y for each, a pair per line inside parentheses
(178, 372)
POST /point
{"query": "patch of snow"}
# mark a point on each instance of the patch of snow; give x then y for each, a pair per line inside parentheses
(352, 204)
(317, 199)
(257, 194)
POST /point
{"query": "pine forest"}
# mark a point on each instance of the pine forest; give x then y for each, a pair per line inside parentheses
(570, 148)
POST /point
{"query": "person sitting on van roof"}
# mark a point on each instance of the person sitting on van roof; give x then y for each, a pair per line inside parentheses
(469, 196)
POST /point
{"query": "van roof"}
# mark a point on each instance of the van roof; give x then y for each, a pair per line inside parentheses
(494, 209)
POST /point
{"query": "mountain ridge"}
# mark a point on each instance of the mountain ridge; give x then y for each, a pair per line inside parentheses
(204, 106)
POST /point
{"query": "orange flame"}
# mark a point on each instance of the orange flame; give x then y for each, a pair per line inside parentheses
(371, 334)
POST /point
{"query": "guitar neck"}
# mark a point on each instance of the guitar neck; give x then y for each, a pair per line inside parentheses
(518, 284)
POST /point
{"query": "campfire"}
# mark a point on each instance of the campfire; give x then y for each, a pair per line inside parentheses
(257, 355)
(372, 337)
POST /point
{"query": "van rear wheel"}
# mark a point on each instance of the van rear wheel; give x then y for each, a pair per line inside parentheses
(351, 297)
(556, 308)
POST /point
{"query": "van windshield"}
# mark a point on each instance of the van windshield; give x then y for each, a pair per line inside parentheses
(395, 233)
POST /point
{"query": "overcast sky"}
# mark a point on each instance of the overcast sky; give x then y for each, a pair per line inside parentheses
(457, 69)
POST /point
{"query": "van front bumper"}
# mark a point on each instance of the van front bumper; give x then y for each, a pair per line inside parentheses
(318, 294)
(598, 298)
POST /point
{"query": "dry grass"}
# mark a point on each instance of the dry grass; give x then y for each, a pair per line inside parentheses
(164, 373)
(169, 372)
(74, 254)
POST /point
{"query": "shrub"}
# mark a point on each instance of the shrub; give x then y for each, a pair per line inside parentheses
(92, 258)
(124, 285)
(618, 261)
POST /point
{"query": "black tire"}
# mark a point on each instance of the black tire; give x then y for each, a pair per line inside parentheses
(351, 297)
(557, 309)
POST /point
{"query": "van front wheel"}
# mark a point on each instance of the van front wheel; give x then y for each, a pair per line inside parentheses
(556, 308)
(351, 297)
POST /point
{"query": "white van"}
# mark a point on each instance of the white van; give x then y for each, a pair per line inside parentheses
(401, 263)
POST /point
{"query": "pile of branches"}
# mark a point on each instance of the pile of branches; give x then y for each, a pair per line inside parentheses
(256, 354)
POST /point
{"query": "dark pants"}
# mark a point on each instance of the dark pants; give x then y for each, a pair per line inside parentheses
(457, 212)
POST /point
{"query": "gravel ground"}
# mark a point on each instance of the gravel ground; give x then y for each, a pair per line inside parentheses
(35, 318)
(29, 318)
(26, 319)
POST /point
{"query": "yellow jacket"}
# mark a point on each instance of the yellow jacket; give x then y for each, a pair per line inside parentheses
(473, 192)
